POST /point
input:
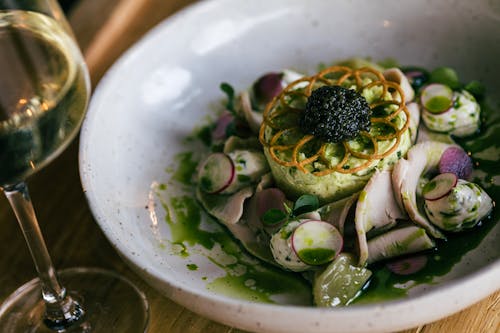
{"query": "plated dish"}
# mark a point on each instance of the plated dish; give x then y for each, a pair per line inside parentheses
(330, 174)
(137, 173)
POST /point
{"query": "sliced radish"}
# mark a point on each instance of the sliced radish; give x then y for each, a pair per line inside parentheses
(436, 98)
(456, 160)
(316, 242)
(439, 186)
(416, 76)
(407, 266)
(216, 173)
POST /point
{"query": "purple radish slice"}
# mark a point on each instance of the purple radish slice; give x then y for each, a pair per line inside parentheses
(439, 186)
(416, 76)
(267, 87)
(220, 130)
(457, 161)
(316, 242)
(436, 98)
(216, 173)
(407, 266)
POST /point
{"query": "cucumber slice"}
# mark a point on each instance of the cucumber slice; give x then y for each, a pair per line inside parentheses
(340, 283)
(439, 186)
(216, 173)
(436, 98)
(316, 242)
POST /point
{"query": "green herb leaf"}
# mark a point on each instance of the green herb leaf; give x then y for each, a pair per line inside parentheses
(388, 63)
(229, 91)
(476, 88)
(273, 216)
(305, 203)
(446, 76)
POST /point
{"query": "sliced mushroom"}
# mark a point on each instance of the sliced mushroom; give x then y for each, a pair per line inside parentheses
(266, 181)
(376, 208)
(254, 242)
(397, 76)
(336, 212)
(254, 119)
(236, 143)
(422, 158)
(227, 209)
(414, 110)
(398, 242)
(424, 134)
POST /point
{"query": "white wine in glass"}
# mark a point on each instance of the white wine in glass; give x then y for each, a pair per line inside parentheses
(44, 91)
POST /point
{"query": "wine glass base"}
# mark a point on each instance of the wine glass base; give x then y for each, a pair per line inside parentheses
(111, 304)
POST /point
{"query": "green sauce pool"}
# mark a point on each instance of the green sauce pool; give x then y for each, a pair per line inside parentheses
(247, 278)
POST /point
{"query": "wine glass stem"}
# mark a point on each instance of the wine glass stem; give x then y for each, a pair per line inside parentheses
(61, 309)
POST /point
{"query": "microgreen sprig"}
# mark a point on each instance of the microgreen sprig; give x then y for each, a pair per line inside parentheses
(304, 204)
(229, 91)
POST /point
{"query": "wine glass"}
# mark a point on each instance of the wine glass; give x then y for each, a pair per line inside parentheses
(44, 91)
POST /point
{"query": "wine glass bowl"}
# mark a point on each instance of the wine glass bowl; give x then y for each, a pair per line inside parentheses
(44, 92)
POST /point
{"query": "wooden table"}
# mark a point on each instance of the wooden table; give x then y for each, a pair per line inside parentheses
(105, 29)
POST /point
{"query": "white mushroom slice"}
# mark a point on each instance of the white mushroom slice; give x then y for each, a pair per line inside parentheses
(256, 243)
(398, 242)
(336, 212)
(254, 119)
(425, 134)
(397, 76)
(266, 181)
(414, 110)
(227, 209)
(376, 209)
(236, 143)
(422, 158)
(401, 168)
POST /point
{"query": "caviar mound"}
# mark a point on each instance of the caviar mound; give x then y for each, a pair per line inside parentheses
(286, 143)
(335, 113)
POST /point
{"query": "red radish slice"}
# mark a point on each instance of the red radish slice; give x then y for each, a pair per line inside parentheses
(456, 160)
(216, 173)
(439, 186)
(436, 98)
(407, 266)
(316, 242)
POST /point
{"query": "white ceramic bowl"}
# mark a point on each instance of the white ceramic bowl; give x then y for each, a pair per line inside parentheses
(168, 83)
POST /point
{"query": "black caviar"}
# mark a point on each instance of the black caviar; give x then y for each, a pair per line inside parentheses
(335, 113)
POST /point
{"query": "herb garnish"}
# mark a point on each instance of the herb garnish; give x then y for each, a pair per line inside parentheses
(304, 204)
(229, 91)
